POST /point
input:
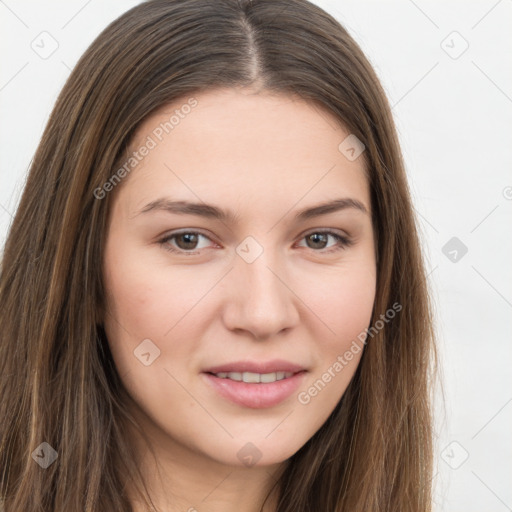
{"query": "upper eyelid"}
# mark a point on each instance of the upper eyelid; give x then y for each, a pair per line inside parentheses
(185, 231)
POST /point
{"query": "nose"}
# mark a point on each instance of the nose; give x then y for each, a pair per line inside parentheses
(261, 299)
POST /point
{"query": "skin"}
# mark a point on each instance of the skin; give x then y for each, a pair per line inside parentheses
(264, 157)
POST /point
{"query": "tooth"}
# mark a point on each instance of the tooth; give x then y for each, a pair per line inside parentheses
(235, 376)
(222, 375)
(268, 377)
(287, 375)
(280, 375)
(251, 377)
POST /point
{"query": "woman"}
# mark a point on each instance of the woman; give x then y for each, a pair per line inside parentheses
(213, 282)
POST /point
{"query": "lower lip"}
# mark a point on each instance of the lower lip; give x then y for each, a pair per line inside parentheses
(256, 395)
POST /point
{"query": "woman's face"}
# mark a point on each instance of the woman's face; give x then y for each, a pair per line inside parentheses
(220, 264)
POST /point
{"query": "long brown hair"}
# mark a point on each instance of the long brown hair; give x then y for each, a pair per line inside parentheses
(58, 382)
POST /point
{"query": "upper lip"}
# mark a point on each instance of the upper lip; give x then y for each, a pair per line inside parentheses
(276, 365)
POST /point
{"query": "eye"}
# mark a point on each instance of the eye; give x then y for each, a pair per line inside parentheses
(319, 239)
(185, 242)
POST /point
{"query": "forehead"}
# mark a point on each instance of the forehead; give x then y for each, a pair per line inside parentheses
(242, 145)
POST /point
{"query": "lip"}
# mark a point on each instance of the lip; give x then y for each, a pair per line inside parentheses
(276, 365)
(256, 395)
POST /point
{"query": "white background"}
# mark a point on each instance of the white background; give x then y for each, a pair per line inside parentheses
(454, 117)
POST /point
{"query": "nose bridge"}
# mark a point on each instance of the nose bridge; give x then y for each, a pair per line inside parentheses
(264, 304)
(261, 280)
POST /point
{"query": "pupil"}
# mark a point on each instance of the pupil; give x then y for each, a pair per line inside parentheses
(190, 238)
(315, 236)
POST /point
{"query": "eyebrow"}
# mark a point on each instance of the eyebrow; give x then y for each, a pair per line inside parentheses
(214, 212)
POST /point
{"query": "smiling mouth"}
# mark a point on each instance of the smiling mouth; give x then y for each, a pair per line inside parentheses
(255, 390)
(254, 378)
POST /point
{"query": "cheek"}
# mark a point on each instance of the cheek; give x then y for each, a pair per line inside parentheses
(145, 298)
(342, 298)
(148, 300)
(136, 301)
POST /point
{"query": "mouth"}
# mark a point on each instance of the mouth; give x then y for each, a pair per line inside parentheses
(254, 378)
(255, 385)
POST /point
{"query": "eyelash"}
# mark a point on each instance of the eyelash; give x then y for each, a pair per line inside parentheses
(343, 242)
